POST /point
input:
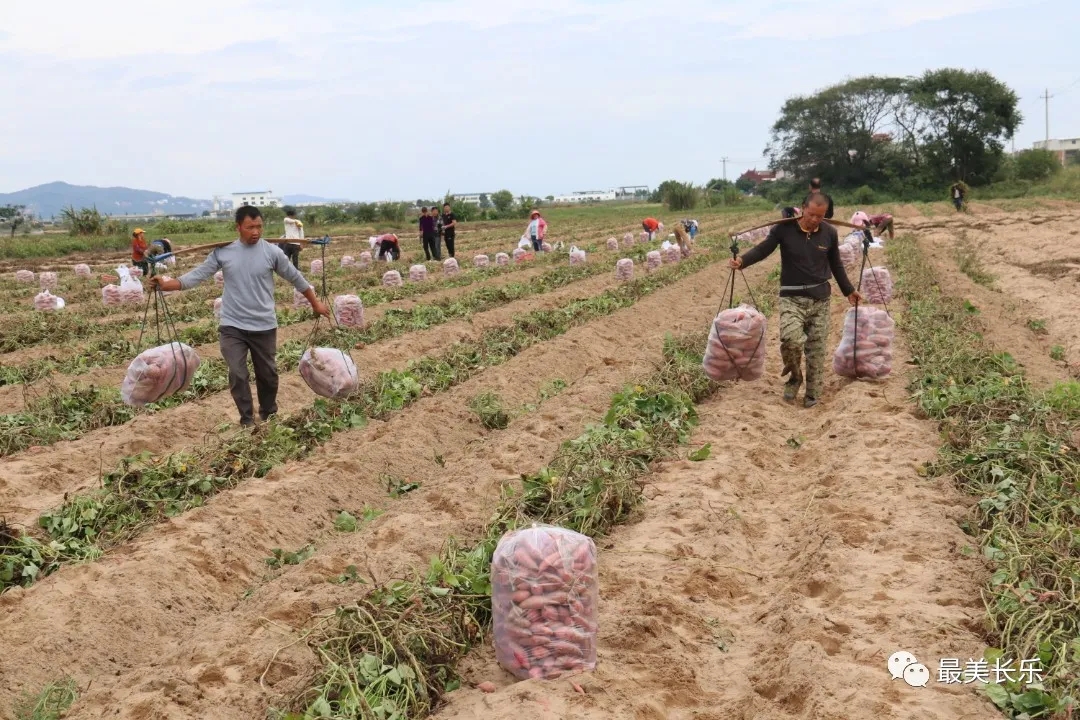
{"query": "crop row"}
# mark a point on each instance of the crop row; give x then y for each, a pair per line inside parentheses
(144, 490)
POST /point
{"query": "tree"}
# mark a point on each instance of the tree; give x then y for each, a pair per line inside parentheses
(745, 184)
(485, 202)
(969, 115)
(503, 200)
(14, 215)
(1036, 164)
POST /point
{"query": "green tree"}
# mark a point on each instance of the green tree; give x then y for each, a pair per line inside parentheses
(14, 215)
(1037, 164)
(745, 184)
(485, 202)
(502, 200)
(969, 115)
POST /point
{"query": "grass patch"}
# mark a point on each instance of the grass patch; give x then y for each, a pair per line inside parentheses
(1011, 447)
(49, 704)
(489, 408)
(967, 259)
(393, 652)
(1057, 353)
(144, 490)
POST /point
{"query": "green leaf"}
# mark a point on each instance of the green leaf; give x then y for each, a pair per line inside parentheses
(321, 708)
(701, 453)
(345, 522)
(998, 695)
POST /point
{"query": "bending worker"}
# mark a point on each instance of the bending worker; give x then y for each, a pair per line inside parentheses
(248, 319)
(809, 256)
(651, 226)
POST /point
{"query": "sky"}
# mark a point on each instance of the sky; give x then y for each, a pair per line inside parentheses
(399, 99)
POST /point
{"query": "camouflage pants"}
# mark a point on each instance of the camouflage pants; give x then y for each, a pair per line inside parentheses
(804, 328)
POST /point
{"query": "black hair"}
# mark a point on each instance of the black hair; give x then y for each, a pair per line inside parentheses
(816, 183)
(290, 212)
(247, 211)
(423, 209)
(816, 198)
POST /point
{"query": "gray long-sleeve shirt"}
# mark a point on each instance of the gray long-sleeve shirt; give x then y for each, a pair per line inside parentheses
(247, 301)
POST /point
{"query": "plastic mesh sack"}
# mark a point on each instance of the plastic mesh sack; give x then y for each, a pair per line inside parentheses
(653, 260)
(736, 346)
(348, 261)
(545, 246)
(349, 311)
(45, 301)
(624, 270)
(217, 308)
(365, 259)
(612, 244)
(131, 291)
(110, 295)
(628, 239)
(299, 300)
(865, 350)
(848, 254)
(502, 259)
(24, 276)
(519, 253)
(316, 266)
(481, 261)
(329, 372)
(643, 237)
(82, 270)
(47, 280)
(450, 267)
(219, 278)
(158, 373)
(417, 273)
(876, 286)
(544, 597)
(392, 278)
(577, 257)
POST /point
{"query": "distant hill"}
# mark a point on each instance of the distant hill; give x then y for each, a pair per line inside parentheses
(46, 201)
(300, 199)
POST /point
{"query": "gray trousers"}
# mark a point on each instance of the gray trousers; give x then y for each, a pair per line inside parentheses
(235, 346)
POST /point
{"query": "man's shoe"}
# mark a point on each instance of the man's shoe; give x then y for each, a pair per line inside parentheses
(809, 401)
(247, 423)
(790, 391)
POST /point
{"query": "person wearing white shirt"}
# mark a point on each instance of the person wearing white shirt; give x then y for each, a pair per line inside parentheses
(294, 230)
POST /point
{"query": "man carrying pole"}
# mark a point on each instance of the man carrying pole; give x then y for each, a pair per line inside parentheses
(809, 257)
(248, 317)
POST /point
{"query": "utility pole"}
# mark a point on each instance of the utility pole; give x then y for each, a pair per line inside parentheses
(1046, 96)
(723, 189)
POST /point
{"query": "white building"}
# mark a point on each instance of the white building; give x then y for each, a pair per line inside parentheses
(586, 196)
(1064, 149)
(472, 198)
(258, 198)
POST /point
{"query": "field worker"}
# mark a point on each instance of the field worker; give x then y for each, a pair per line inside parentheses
(449, 225)
(248, 318)
(683, 239)
(650, 225)
(139, 251)
(879, 224)
(537, 230)
(957, 191)
(815, 187)
(809, 255)
(691, 228)
(429, 235)
(294, 230)
(388, 245)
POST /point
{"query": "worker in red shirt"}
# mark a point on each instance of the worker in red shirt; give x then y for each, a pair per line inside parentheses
(650, 225)
(139, 248)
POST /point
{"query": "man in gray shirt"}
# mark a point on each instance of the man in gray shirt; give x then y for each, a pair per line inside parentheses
(248, 317)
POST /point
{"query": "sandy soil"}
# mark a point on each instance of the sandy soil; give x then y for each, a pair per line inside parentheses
(771, 580)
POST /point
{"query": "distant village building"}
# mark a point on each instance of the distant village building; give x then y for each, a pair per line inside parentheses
(258, 198)
(1066, 150)
(581, 196)
(472, 198)
(759, 176)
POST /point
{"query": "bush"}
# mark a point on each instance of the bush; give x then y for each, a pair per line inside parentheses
(863, 195)
(680, 196)
(1036, 165)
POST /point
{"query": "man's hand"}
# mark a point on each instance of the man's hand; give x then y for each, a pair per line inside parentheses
(735, 263)
(855, 298)
(320, 308)
(159, 283)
